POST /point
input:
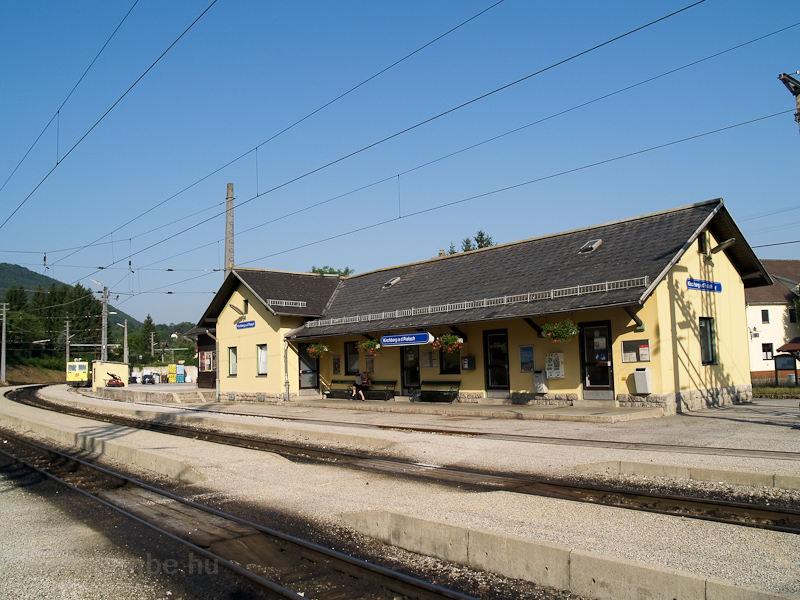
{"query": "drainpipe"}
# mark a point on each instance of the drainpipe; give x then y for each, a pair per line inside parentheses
(216, 369)
(286, 366)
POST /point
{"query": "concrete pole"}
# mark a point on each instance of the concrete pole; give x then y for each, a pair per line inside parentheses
(229, 260)
(67, 344)
(3, 307)
(125, 343)
(104, 339)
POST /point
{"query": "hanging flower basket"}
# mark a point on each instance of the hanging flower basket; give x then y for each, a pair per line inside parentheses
(560, 332)
(448, 342)
(369, 347)
(318, 350)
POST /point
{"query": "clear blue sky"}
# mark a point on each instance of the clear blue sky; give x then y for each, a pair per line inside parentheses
(248, 69)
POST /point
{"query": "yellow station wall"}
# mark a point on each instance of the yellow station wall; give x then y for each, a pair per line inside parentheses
(671, 318)
(269, 329)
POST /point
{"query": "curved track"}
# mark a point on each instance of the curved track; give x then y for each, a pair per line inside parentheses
(283, 565)
(746, 514)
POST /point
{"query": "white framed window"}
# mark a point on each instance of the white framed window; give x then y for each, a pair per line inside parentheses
(232, 365)
(766, 351)
(261, 359)
(765, 316)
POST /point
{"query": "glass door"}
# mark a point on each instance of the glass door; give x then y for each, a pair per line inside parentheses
(309, 369)
(409, 367)
(598, 379)
(495, 345)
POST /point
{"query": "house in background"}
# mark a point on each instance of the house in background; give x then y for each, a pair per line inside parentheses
(658, 302)
(772, 317)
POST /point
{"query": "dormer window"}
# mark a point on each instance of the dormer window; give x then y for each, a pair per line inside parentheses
(590, 246)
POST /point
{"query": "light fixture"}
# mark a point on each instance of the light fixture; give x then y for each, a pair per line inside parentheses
(723, 245)
(236, 309)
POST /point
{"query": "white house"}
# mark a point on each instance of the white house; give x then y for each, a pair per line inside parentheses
(772, 317)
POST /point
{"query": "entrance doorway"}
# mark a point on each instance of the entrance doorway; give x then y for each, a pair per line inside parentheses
(495, 351)
(309, 369)
(598, 376)
(409, 368)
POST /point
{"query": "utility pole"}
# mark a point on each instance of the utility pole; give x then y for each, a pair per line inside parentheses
(67, 344)
(125, 342)
(152, 344)
(793, 85)
(4, 308)
(229, 231)
(104, 339)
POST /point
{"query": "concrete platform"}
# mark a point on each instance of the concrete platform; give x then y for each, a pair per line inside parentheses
(189, 393)
(593, 551)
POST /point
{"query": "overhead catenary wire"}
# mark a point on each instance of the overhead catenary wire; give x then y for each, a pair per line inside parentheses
(85, 135)
(75, 87)
(297, 122)
(365, 227)
(473, 146)
(435, 117)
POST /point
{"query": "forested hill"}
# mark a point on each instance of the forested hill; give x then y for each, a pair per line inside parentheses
(15, 276)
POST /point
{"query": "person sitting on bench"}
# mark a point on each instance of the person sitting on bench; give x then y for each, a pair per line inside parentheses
(361, 385)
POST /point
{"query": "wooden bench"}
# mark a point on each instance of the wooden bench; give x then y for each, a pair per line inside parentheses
(343, 388)
(380, 390)
(338, 388)
(436, 391)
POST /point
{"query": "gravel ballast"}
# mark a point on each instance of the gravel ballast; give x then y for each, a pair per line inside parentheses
(320, 493)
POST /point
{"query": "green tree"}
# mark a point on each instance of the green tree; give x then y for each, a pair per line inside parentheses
(85, 313)
(482, 240)
(327, 270)
(143, 342)
(16, 298)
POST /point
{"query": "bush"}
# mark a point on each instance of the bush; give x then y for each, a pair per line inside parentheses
(52, 363)
(776, 392)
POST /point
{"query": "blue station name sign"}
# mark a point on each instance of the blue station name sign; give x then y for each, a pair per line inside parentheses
(407, 339)
(703, 285)
(245, 325)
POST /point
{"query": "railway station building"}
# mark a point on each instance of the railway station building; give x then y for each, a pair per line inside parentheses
(648, 311)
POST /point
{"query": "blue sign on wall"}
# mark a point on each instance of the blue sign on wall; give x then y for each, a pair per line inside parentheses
(703, 286)
(245, 325)
(407, 339)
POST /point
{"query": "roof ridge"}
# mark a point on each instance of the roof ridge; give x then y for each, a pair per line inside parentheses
(541, 237)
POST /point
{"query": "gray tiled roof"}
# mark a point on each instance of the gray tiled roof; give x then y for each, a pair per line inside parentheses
(312, 289)
(786, 274)
(645, 246)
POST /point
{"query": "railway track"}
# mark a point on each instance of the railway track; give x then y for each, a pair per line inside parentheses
(534, 439)
(284, 566)
(737, 513)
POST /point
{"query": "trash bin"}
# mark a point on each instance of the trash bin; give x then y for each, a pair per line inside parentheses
(643, 381)
(540, 382)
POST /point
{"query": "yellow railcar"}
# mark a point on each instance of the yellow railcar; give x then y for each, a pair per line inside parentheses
(78, 374)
